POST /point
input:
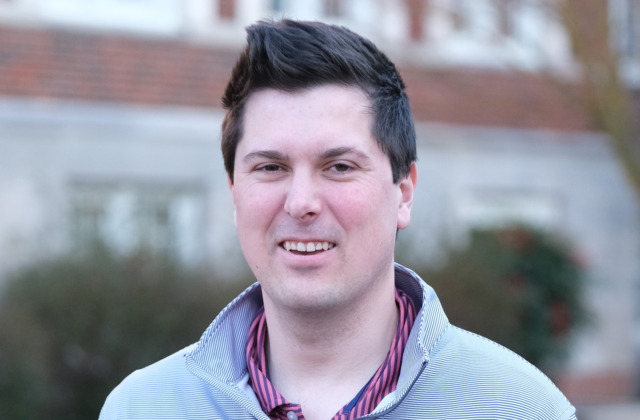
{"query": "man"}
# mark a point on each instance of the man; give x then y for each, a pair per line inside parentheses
(319, 147)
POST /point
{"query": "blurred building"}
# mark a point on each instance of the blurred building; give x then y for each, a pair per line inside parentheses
(109, 128)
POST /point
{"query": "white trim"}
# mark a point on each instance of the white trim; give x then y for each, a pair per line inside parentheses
(145, 16)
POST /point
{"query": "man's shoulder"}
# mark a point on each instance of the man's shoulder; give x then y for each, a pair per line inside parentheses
(193, 382)
(463, 343)
(171, 366)
(480, 377)
(144, 388)
(479, 359)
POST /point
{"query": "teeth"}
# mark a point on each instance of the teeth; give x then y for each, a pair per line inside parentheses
(308, 247)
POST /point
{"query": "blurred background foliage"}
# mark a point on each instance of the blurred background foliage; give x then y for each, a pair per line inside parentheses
(518, 286)
(72, 328)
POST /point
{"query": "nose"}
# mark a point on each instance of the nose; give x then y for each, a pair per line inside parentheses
(303, 202)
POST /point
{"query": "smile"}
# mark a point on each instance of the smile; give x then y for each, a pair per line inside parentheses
(307, 246)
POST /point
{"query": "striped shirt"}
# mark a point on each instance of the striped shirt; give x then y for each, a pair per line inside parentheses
(381, 383)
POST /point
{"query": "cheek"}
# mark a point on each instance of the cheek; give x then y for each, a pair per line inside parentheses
(255, 207)
(366, 210)
(255, 212)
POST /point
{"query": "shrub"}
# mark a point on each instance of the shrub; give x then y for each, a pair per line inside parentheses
(516, 286)
(73, 328)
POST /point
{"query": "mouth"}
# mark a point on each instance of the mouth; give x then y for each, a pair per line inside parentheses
(307, 247)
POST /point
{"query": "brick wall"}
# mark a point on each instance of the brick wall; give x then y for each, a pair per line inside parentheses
(477, 97)
(81, 66)
(46, 63)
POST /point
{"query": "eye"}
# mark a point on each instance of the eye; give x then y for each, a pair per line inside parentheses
(342, 167)
(269, 167)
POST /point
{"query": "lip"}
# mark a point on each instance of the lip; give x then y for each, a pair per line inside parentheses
(303, 259)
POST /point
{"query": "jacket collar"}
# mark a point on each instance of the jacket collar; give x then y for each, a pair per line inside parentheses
(219, 355)
(430, 325)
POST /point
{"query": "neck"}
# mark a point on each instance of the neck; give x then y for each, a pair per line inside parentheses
(321, 359)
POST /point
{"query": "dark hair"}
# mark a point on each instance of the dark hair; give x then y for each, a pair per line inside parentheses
(291, 56)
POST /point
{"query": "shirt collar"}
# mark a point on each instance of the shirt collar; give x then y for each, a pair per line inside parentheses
(381, 384)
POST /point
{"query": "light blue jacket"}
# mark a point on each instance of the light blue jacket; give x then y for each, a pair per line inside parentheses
(447, 373)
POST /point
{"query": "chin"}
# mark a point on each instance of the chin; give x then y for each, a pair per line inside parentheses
(309, 298)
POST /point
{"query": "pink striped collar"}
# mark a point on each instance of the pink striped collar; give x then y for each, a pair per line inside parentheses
(382, 383)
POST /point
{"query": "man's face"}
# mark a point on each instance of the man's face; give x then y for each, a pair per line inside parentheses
(316, 207)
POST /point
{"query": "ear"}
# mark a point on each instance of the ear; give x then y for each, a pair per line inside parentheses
(406, 187)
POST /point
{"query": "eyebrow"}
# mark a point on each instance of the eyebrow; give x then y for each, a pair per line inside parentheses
(340, 151)
(265, 154)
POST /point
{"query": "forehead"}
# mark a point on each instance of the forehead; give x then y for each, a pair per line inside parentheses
(323, 115)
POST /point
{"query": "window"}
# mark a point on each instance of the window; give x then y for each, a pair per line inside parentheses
(624, 24)
(279, 6)
(127, 216)
(333, 8)
(632, 41)
(460, 16)
(505, 13)
(484, 18)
